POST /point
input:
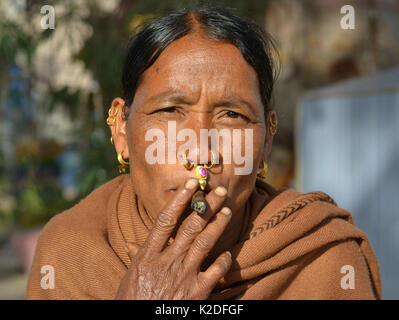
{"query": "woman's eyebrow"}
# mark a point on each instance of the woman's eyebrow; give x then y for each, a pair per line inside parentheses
(174, 96)
(178, 96)
(236, 102)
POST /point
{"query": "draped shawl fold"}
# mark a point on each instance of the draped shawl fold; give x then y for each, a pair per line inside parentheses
(293, 246)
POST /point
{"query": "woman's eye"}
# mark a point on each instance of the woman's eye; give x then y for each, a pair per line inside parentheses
(235, 115)
(168, 109)
(232, 114)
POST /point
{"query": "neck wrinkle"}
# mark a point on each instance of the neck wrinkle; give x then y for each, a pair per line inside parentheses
(141, 222)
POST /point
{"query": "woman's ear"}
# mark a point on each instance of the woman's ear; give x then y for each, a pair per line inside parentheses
(117, 122)
(271, 116)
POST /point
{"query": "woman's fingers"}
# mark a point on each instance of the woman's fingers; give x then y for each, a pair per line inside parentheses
(169, 216)
(216, 270)
(206, 240)
(194, 224)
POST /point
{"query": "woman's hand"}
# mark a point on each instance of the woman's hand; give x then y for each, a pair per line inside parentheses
(158, 271)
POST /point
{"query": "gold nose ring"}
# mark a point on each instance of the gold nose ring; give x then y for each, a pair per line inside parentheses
(201, 171)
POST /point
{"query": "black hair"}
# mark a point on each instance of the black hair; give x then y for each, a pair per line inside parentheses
(256, 46)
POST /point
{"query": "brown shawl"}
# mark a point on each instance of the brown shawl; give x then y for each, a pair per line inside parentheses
(293, 247)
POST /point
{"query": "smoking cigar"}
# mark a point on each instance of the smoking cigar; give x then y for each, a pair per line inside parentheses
(198, 202)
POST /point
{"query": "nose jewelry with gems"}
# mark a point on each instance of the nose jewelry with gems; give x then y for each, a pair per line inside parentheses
(201, 171)
(202, 174)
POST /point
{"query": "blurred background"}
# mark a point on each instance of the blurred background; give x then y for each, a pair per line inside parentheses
(337, 99)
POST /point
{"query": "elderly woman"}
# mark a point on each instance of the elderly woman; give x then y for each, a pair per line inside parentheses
(189, 225)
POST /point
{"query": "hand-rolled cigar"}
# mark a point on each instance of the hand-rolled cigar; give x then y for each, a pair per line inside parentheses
(198, 202)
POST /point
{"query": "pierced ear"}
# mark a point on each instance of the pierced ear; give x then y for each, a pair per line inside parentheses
(263, 158)
(122, 137)
(267, 147)
(125, 111)
(118, 128)
(269, 137)
(121, 127)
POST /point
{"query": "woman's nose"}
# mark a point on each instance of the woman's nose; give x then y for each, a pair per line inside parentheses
(201, 124)
(206, 157)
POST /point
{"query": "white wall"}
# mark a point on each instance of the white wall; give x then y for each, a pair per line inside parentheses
(348, 147)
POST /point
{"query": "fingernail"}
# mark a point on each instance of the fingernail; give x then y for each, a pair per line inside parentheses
(228, 253)
(191, 184)
(221, 191)
(226, 211)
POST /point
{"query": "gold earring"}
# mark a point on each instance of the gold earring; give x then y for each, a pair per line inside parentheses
(262, 173)
(112, 140)
(123, 164)
(273, 123)
(111, 117)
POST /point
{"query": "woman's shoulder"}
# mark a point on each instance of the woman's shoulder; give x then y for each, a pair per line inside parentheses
(312, 228)
(283, 205)
(74, 243)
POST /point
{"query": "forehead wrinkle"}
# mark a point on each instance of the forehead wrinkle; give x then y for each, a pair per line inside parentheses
(198, 55)
(189, 71)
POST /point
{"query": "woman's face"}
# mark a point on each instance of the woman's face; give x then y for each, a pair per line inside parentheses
(196, 84)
